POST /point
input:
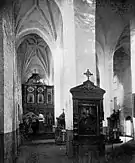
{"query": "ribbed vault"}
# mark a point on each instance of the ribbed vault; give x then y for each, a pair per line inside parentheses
(34, 53)
(124, 40)
(43, 15)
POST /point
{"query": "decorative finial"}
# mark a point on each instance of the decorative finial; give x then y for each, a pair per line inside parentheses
(88, 74)
(63, 110)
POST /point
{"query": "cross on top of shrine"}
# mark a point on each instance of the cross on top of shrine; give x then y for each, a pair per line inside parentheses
(88, 74)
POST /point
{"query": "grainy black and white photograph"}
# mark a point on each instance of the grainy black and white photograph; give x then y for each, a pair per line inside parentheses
(67, 81)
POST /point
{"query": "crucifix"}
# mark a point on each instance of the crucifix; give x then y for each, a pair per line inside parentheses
(88, 73)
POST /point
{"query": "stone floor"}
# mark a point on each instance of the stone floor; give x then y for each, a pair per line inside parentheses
(47, 152)
(43, 153)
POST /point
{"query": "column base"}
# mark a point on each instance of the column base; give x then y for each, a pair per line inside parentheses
(69, 143)
(11, 143)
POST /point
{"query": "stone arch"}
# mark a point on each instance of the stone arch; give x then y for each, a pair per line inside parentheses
(124, 38)
(122, 79)
(122, 70)
(42, 59)
(58, 3)
(21, 37)
(47, 28)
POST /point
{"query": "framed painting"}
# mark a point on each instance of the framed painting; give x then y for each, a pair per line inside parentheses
(30, 98)
(40, 98)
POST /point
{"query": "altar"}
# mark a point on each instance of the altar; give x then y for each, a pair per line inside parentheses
(38, 98)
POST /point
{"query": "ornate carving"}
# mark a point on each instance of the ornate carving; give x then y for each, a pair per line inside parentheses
(88, 85)
(40, 90)
(30, 89)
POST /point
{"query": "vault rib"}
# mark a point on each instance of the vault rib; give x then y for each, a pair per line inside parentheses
(52, 19)
(45, 18)
(27, 59)
(19, 24)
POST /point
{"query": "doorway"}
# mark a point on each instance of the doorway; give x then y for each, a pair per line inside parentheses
(128, 126)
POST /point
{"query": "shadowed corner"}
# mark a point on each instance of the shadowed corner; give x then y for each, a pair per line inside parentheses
(123, 153)
(1, 147)
(5, 2)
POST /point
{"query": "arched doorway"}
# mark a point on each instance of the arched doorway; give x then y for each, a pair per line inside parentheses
(128, 126)
(122, 77)
(43, 18)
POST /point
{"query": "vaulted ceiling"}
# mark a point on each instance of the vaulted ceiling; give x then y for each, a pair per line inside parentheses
(84, 15)
(41, 14)
(112, 26)
(33, 51)
(110, 19)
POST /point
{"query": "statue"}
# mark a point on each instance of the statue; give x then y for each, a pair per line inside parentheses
(61, 120)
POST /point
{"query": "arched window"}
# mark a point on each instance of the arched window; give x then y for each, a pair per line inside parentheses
(30, 98)
(40, 98)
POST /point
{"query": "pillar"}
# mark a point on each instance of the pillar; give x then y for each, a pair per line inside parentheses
(69, 59)
(106, 83)
(1, 92)
(69, 67)
(132, 42)
(58, 68)
(9, 98)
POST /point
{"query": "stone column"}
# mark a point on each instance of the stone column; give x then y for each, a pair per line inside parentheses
(132, 42)
(1, 93)
(58, 68)
(9, 83)
(106, 79)
(110, 62)
(69, 59)
(69, 66)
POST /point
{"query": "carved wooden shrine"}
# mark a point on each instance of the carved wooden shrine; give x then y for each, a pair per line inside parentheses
(87, 117)
(114, 127)
(39, 99)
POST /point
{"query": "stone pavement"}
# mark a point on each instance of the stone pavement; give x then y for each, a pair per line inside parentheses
(47, 152)
(42, 153)
(125, 153)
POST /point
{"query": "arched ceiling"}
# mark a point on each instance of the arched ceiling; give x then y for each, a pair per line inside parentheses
(33, 53)
(124, 40)
(38, 14)
(121, 61)
(111, 20)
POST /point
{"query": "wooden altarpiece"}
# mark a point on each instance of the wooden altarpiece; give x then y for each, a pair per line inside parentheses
(87, 117)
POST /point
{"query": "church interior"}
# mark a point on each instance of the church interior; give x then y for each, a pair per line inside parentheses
(48, 50)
